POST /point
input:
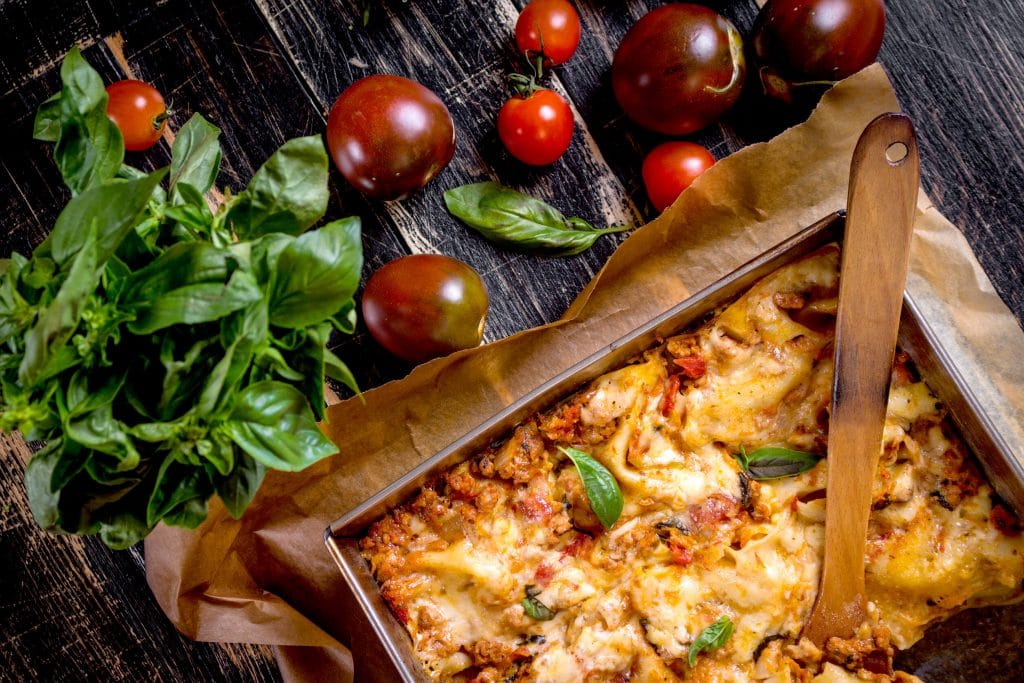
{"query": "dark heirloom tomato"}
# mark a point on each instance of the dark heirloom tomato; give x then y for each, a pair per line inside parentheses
(139, 112)
(819, 39)
(389, 136)
(679, 69)
(426, 305)
(548, 27)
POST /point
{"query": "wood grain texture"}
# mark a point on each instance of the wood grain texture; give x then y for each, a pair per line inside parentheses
(266, 70)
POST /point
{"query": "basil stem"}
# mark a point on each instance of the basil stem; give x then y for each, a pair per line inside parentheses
(776, 462)
(711, 638)
(514, 219)
(602, 490)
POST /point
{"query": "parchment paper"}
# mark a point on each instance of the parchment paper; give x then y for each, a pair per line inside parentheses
(268, 578)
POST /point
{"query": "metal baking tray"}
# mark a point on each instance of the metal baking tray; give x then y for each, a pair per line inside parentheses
(916, 338)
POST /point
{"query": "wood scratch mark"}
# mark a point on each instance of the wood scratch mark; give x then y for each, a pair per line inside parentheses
(950, 55)
(45, 67)
(21, 193)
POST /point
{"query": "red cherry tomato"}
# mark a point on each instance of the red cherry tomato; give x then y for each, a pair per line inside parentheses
(139, 112)
(550, 28)
(679, 69)
(670, 168)
(819, 39)
(389, 136)
(536, 129)
(424, 306)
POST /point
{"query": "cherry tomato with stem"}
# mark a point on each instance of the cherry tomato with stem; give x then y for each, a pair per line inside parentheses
(139, 112)
(536, 127)
(670, 168)
(389, 136)
(426, 305)
(550, 28)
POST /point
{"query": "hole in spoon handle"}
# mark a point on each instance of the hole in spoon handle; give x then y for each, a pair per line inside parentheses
(896, 153)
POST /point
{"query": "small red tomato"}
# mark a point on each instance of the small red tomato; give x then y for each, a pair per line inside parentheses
(679, 69)
(819, 39)
(139, 112)
(550, 28)
(670, 168)
(389, 136)
(536, 129)
(426, 305)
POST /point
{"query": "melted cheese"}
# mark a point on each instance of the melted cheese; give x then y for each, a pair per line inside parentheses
(696, 540)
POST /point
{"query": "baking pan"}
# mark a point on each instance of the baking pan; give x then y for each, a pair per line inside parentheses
(916, 338)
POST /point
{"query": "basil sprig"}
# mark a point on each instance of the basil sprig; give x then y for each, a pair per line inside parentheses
(776, 462)
(711, 638)
(534, 608)
(514, 219)
(602, 490)
(167, 351)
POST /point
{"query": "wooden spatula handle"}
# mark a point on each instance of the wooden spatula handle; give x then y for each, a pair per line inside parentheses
(876, 246)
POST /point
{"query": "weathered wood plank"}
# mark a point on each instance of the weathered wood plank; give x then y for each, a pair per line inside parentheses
(98, 619)
(75, 611)
(958, 68)
(462, 51)
(266, 70)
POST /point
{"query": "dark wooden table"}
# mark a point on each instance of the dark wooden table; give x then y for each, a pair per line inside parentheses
(268, 70)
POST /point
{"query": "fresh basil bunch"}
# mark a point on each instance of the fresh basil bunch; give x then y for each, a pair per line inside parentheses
(165, 349)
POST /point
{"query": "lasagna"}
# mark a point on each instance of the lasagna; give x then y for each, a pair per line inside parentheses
(501, 571)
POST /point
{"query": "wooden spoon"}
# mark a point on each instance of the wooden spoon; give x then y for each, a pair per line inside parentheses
(876, 249)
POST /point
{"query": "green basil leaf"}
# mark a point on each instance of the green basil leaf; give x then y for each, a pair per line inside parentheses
(344, 320)
(86, 392)
(189, 514)
(711, 638)
(122, 530)
(602, 490)
(114, 209)
(316, 275)
(514, 219)
(43, 500)
(115, 277)
(198, 303)
(126, 172)
(176, 483)
(224, 379)
(336, 369)
(46, 126)
(182, 264)
(89, 148)
(240, 487)
(45, 350)
(195, 156)
(776, 463)
(99, 431)
(155, 432)
(272, 422)
(263, 253)
(534, 608)
(287, 194)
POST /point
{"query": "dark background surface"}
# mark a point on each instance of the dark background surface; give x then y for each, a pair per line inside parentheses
(268, 70)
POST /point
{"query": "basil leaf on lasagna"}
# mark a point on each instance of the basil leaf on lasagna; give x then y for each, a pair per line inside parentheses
(711, 638)
(534, 608)
(776, 463)
(602, 490)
